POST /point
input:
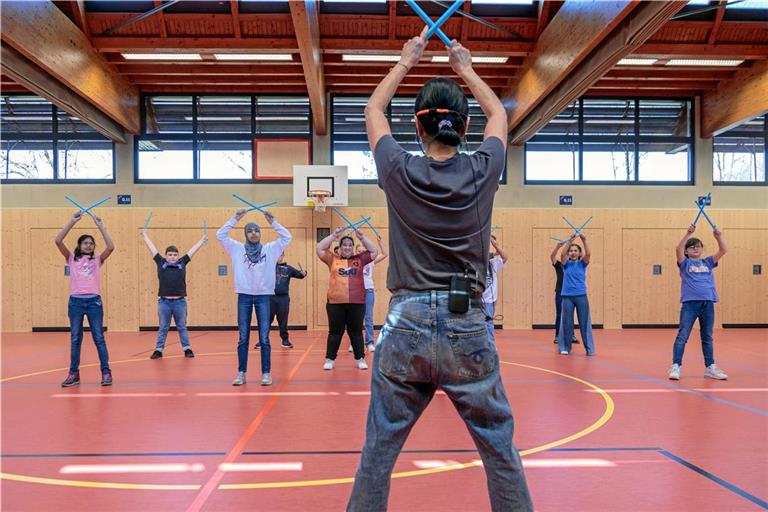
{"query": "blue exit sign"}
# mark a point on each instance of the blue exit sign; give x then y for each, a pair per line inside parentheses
(566, 200)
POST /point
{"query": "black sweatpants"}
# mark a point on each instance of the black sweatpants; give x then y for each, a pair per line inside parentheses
(279, 306)
(341, 317)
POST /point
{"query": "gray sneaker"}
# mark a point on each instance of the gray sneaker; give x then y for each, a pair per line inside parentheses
(266, 379)
(674, 372)
(713, 372)
(239, 380)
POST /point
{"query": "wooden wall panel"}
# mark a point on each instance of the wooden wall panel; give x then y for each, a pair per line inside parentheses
(744, 295)
(624, 244)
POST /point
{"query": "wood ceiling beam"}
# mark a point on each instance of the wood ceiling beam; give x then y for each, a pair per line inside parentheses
(583, 41)
(39, 82)
(161, 20)
(81, 19)
(392, 20)
(735, 100)
(223, 89)
(44, 35)
(718, 21)
(306, 23)
(655, 93)
(234, 8)
(654, 84)
(702, 51)
(542, 17)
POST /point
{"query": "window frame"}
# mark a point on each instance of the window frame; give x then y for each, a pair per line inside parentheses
(55, 137)
(195, 137)
(736, 133)
(502, 181)
(635, 139)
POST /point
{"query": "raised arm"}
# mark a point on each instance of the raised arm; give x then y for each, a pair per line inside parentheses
(587, 252)
(192, 250)
(499, 249)
(59, 240)
(284, 236)
(495, 113)
(110, 246)
(148, 242)
(368, 243)
(721, 247)
(680, 249)
(383, 254)
(564, 252)
(222, 235)
(553, 254)
(323, 248)
(376, 123)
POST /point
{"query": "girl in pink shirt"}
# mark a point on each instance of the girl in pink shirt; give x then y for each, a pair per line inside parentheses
(85, 297)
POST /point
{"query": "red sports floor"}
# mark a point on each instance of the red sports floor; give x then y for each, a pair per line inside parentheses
(608, 433)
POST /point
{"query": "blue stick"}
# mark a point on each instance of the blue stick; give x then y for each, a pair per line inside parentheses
(355, 226)
(344, 217)
(146, 224)
(83, 209)
(701, 211)
(561, 241)
(442, 19)
(97, 203)
(205, 228)
(701, 207)
(371, 226)
(423, 15)
(253, 206)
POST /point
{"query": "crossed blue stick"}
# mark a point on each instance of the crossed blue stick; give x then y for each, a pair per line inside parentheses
(253, 206)
(353, 225)
(434, 28)
(576, 230)
(83, 209)
(701, 205)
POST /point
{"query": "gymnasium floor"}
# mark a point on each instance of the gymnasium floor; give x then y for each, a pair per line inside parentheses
(609, 433)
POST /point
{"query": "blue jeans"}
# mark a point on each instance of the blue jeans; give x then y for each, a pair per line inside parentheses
(565, 338)
(704, 310)
(424, 347)
(94, 310)
(558, 312)
(368, 322)
(245, 306)
(176, 309)
(489, 309)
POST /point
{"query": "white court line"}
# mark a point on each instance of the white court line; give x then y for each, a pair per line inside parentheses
(261, 466)
(79, 469)
(568, 463)
(273, 393)
(116, 395)
(668, 390)
(431, 464)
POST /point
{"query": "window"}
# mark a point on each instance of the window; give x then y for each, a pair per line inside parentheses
(614, 140)
(209, 138)
(42, 143)
(350, 140)
(739, 154)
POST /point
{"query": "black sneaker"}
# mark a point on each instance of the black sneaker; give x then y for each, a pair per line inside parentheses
(555, 341)
(257, 346)
(287, 344)
(575, 340)
(106, 378)
(156, 355)
(73, 379)
(188, 353)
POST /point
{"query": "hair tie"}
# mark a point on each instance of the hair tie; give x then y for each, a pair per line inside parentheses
(444, 122)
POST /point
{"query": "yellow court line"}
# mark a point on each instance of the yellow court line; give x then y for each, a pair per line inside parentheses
(604, 418)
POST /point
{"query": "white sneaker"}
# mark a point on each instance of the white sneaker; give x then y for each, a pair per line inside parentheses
(713, 372)
(361, 364)
(674, 372)
(239, 380)
(350, 349)
(371, 347)
(563, 352)
(266, 379)
(328, 364)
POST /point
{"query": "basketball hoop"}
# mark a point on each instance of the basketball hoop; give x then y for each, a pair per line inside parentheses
(318, 199)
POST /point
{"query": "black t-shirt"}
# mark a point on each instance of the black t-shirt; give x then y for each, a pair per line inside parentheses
(172, 277)
(436, 225)
(559, 271)
(283, 274)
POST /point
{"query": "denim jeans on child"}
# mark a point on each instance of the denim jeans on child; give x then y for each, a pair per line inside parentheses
(565, 338)
(489, 309)
(424, 347)
(176, 309)
(77, 309)
(704, 310)
(369, 301)
(245, 306)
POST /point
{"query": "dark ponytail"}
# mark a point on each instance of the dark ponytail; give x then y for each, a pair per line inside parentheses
(442, 110)
(78, 253)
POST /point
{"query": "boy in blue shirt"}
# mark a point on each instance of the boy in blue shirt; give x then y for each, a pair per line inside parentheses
(698, 296)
